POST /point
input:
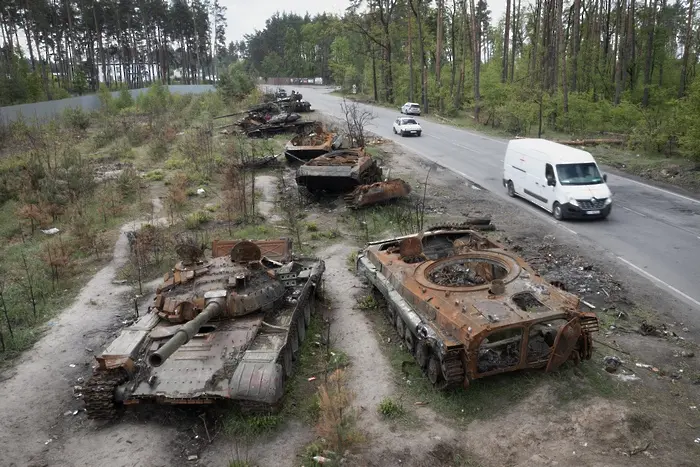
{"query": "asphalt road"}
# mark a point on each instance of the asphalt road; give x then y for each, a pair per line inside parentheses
(653, 231)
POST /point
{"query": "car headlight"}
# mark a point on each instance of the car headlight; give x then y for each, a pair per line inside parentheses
(573, 202)
(608, 200)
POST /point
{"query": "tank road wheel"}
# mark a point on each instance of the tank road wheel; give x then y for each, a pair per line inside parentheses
(308, 311)
(422, 354)
(293, 339)
(400, 326)
(286, 361)
(98, 394)
(410, 341)
(391, 314)
(435, 371)
(301, 327)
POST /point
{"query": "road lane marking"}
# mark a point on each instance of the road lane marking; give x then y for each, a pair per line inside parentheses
(631, 210)
(687, 198)
(659, 281)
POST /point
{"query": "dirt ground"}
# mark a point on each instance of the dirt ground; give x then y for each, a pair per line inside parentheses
(639, 422)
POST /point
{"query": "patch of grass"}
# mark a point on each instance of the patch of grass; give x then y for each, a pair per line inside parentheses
(350, 261)
(247, 427)
(239, 463)
(368, 302)
(155, 175)
(311, 227)
(300, 399)
(196, 219)
(389, 408)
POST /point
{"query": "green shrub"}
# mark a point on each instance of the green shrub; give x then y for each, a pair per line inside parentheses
(194, 220)
(389, 408)
(155, 175)
(76, 118)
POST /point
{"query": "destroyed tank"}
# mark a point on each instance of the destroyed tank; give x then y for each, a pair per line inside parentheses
(467, 308)
(223, 329)
(339, 171)
(379, 192)
(313, 142)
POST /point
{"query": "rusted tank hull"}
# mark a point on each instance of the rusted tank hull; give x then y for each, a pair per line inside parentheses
(310, 144)
(467, 309)
(338, 172)
(366, 195)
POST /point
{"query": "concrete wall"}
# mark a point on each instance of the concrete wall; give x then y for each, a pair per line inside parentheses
(44, 111)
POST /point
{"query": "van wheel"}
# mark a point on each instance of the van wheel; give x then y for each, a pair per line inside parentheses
(557, 212)
(511, 189)
(394, 130)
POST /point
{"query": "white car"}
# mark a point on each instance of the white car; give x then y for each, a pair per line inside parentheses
(410, 108)
(407, 126)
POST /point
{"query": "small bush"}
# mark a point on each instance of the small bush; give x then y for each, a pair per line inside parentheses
(76, 118)
(239, 425)
(128, 182)
(155, 175)
(312, 227)
(175, 163)
(368, 302)
(194, 220)
(389, 408)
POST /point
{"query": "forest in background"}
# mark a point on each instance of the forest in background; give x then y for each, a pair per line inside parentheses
(603, 68)
(51, 49)
(616, 68)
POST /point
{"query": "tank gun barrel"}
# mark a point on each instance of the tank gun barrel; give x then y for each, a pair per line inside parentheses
(186, 332)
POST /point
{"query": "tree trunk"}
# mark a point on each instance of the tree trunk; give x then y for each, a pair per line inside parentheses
(651, 27)
(476, 43)
(27, 28)
(619, 45)
(463, 65)
(686, 50)
(424, 65)
(411, 77)
(453, 47)
(515, 37)
(561, 52)
(576, 42)
(438, 53)
(535, 70)
(506, 32)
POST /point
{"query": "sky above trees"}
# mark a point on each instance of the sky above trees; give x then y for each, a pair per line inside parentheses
(244, 17)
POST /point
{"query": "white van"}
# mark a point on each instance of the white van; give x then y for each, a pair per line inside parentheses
(563, 180)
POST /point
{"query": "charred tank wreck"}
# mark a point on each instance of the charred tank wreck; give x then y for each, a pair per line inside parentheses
(225, 328)
(466, 308)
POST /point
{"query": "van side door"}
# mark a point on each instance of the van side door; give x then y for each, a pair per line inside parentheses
(548, 186)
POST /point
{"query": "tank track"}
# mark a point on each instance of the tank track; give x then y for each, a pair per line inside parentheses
(98, 394)
(452, 371)
(475, 224)
(261, 408)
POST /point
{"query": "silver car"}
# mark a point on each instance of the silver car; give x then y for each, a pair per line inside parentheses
(410, 108)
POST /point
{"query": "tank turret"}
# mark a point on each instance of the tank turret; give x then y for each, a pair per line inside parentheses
(222, 328)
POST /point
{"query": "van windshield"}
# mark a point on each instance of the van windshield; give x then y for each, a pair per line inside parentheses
(579, 174)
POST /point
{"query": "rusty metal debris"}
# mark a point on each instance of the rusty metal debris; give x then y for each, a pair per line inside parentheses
(466, 308)
(313, 142)
(366, 195)
(339, 171)
(223, 328)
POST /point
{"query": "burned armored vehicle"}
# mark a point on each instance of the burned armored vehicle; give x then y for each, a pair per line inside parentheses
(339, 171)
(467, 308)
(313, 142)
(379, 192)
(227, 328)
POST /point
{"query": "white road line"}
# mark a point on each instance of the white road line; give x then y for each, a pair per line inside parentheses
(631, 210)
(659, 281)
(687, 198)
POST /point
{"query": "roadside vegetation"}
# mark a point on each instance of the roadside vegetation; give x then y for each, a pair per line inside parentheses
(617, 73)
(68, 185)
